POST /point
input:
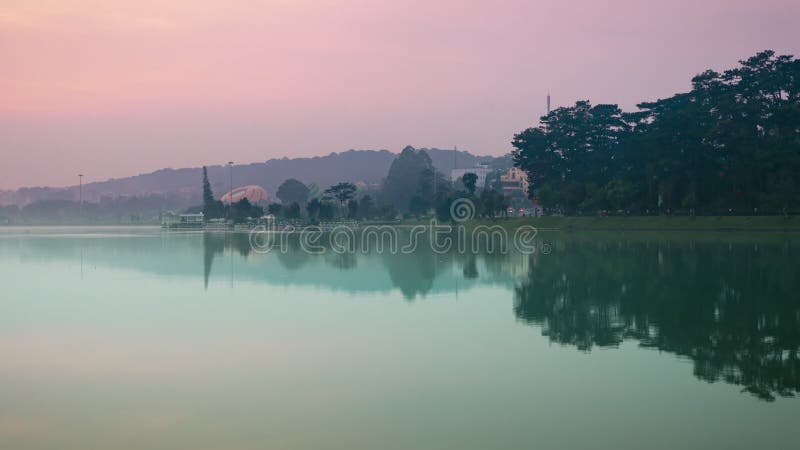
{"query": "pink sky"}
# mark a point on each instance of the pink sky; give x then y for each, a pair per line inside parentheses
(115, 88)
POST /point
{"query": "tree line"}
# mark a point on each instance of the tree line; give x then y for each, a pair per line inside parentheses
(730, 145)
(419, 190)
(413, 188)
(299, 201)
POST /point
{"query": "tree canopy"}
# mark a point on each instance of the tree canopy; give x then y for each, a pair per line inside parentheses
(342, 192)
(243, 210)
(730, 144)
(292, 191)
(412, 175)
(469, 180)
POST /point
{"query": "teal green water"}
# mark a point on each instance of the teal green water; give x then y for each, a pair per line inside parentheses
(133, 338)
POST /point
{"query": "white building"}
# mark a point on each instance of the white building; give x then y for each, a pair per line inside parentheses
(192, 219)
(481, 170)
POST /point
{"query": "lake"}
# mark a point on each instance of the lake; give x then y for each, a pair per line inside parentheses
(134, 338)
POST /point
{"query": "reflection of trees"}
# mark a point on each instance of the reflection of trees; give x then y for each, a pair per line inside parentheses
(294, 258)
(216, 243)
(342, 261)
(414, 273)
(732, 309)
(471, 268)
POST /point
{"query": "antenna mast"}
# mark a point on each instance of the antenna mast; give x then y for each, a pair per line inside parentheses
(548, 103)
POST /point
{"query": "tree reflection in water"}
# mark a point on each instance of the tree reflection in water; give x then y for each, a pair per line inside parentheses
(215, 244)
(733, 309)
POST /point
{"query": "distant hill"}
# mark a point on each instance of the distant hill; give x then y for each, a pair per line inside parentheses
(368, 166)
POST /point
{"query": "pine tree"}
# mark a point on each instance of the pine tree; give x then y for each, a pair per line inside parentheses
(209, 204)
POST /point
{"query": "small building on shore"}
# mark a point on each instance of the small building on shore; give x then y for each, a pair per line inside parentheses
(192, 219)
(172, 220)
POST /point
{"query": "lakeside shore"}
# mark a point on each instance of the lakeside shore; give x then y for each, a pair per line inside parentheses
(649, 223)
(556, 223)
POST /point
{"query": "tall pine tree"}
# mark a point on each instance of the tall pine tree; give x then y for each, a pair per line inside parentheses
(211, 208)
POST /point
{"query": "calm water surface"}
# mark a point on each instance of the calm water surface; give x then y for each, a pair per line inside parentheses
(138, 339)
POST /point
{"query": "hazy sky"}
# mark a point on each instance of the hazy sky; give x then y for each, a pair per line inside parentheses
(114, 88)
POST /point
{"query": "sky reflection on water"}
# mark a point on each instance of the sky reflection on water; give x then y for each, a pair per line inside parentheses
(143, 339)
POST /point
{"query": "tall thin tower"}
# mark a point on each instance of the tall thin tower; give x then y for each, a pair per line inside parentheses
(548, 103)
(546, 126)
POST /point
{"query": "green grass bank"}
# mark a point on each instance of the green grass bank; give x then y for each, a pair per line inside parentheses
(651, 223)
